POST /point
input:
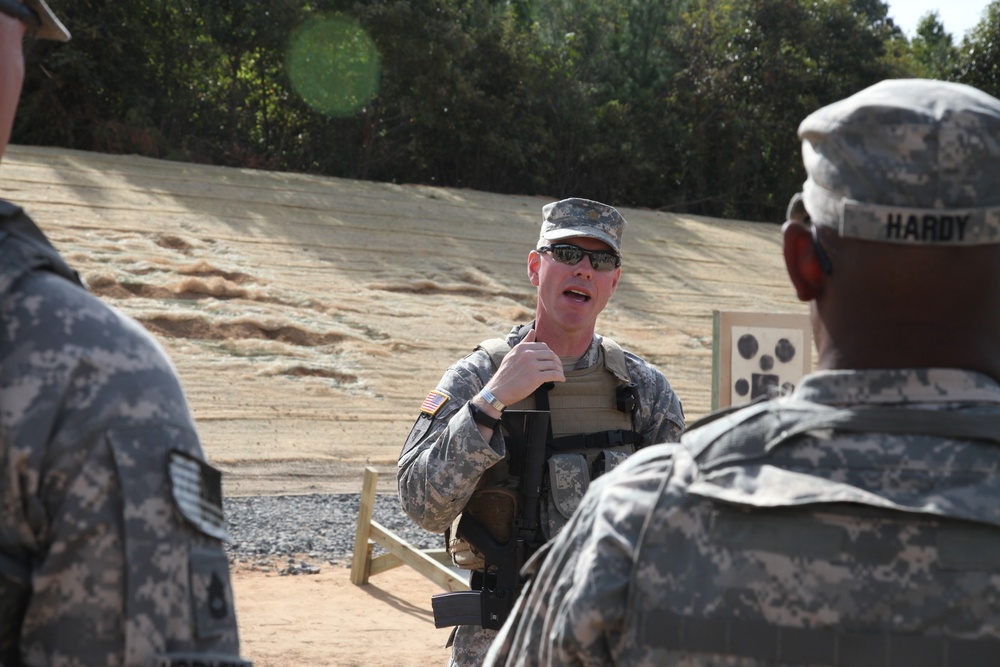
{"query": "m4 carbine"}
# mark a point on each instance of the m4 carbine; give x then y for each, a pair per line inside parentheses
(499, 583)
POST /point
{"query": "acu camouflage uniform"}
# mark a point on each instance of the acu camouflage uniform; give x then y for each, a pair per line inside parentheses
(853, 523)
(780, 535)
(111, 520)
(445, 458)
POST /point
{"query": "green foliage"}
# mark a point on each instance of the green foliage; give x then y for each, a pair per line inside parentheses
(979, 57)
(759, 69)
(933, 48)
(688, 105)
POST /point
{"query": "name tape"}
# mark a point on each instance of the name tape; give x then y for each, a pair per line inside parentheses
(920, 226)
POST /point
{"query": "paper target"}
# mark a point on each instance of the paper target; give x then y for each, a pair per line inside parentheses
(758, 354)
(764, 361)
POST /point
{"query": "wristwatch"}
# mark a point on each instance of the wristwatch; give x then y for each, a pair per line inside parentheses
(492, 400)
(482, 418)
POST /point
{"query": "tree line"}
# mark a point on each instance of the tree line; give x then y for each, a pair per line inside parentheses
(685, 106)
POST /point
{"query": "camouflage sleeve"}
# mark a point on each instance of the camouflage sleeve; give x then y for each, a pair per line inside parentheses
(445, 455)
(660, 417)
(108, 504)
(574, 608)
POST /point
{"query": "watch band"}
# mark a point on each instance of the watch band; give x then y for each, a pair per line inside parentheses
(492, 400)
(481, 417)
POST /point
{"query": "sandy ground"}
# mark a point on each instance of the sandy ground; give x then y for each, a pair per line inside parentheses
(324, 619)
(308, 317)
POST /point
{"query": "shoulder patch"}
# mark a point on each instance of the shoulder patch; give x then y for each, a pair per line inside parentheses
(434, 402)
(197, 490)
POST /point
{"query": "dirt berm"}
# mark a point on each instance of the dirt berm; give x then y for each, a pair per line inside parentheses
(308, 317)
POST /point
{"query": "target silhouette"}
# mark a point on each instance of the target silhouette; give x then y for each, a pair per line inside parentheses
(758, 354)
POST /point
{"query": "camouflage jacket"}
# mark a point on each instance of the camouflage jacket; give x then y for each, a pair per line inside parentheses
(825, 528)
(111, 521)
(438, 474)
(439, 471)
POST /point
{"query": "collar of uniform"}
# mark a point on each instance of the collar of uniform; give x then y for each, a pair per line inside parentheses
(897, 386)
(590, 358)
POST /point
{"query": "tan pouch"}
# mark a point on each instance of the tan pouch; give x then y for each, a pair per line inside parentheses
(495, 508)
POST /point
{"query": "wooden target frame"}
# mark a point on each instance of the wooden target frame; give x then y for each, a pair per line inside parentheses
(757, 353)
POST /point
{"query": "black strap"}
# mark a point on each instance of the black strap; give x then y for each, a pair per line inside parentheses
(481, 417)
(818, 647)
(542, 402)
(599, 440)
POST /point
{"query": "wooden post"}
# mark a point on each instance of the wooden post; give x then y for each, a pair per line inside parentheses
(431, 563)
(362, 559)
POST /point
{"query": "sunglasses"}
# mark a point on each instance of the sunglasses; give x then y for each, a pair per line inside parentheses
(600, 260)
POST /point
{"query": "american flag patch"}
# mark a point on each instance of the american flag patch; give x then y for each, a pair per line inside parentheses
(433, 402)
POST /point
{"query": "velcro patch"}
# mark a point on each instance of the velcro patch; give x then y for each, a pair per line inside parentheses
(197, 490)
(434, 402)
(211, 593)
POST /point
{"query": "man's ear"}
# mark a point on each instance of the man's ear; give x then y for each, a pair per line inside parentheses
(534, 261)
(801, 261)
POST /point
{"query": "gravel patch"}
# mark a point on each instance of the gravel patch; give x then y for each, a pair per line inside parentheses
(301, 534)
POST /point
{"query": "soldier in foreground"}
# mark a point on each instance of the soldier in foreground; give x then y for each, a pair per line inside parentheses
(854, 522)
(111, 521)
(517, 489)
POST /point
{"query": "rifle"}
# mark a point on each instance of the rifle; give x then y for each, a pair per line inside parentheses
(498, 585)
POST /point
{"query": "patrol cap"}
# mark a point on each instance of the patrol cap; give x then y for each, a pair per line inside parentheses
(574, 217)
(49, 27)
(905, 161)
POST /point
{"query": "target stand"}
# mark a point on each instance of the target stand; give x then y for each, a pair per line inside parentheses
(431, 563)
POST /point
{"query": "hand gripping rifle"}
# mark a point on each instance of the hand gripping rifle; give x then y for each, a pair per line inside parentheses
(498, 585)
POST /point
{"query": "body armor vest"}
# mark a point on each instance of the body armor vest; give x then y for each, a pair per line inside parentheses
(586, 403)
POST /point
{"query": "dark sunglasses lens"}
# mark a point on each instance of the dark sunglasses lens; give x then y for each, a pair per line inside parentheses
(567, 254)
(570, 254)
(602, 261)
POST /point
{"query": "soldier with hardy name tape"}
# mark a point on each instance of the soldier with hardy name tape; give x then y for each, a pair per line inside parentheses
(111, 525)
(603, 402)
(855, 521)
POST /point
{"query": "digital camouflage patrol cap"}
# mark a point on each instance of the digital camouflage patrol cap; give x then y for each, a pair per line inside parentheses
(576, 217)
(905, 161)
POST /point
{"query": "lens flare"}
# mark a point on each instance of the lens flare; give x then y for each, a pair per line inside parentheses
(333, 64)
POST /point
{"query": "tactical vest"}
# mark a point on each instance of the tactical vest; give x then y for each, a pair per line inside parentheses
(591, 433)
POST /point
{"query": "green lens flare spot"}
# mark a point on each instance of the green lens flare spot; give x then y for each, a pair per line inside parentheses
(333, 64)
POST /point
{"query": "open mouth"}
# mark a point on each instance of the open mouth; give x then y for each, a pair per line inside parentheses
(577, 295)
